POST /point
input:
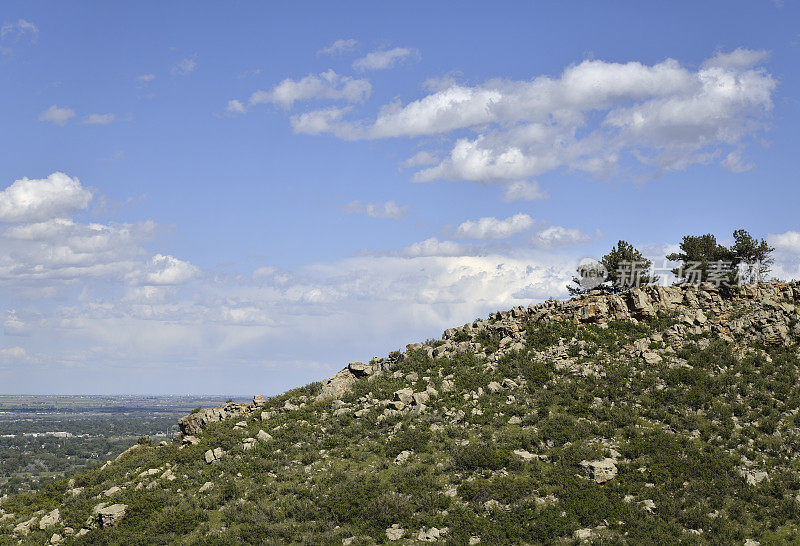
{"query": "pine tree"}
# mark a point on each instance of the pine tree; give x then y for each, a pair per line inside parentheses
(752, 255)
(625, 267)
(703, 260)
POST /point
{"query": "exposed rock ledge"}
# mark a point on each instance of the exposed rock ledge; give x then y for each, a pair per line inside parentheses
(766, 313)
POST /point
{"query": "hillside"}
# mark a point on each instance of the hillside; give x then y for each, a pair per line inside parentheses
(660, 415)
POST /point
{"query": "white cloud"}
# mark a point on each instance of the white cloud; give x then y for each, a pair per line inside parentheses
(235, 107)
(788, 242)
(389, 209)
(14, 355)
(61, 251)
(735, 163)
(737, 59)
(596, 116)
(14, 326)
(420, 159)
(99, 119)
(493, 228)
(522, 190)
(167, 270)
(146, 78)
(59, 116)
(339, 46)
(327, 85)
(185, 66)
(322, 121)
(558, 237)
(381, 60)
(31, 200)
(433, 247)
(19, 29)
(264, 271)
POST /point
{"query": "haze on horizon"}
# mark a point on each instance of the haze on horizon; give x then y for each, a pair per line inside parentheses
(202, 198)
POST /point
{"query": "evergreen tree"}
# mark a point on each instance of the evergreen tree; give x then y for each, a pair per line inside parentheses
(625, 267)
(754, 257)
(703, 260)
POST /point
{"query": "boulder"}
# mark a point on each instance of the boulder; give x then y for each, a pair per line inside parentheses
(213, 455)
(195, 422)
(404, 395)
(50, 519)
(259, 400)
(112, 491)
(337, 385)
(403, 456)
(104, 516)
(22, 529)
(600, 471)
(263, 436)
(359, 369)
(395, 532)
(431, 534)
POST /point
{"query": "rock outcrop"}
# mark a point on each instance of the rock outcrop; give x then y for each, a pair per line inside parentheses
(195, 422)
(768, 313)
(105, 516)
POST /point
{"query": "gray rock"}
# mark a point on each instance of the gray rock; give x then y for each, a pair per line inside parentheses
(601, 470)
(213, 455)
(404, 395)
(395, 532)
(359, 369)
(403, 457)
(431, 534)
(50, 519)
(22, 529)
(104, 516)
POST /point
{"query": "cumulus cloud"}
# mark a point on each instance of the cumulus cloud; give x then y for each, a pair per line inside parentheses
(433, 247)
(556, 237)
(389, 209)
(324, 86)
(322, 121)
(30, 200)
(44, 246)
(99, 119)
(14, 355)
(168, 270)
(339, 46)
(522, 190)
(62, 250)
(185, 66)
(493, 228)
(596, 116)
(420, 159)
(235, 107)
(785, 242)
(383, 59)
(59, 116)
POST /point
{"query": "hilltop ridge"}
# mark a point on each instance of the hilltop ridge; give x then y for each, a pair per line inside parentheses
(660, 414)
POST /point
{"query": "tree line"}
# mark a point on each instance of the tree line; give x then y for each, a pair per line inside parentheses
(701, 259)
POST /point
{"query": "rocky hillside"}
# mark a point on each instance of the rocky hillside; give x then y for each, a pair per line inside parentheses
(660, 416)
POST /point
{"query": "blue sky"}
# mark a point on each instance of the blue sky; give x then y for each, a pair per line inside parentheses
(225, 198)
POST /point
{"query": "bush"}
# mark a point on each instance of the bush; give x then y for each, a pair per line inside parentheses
(480, 456)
